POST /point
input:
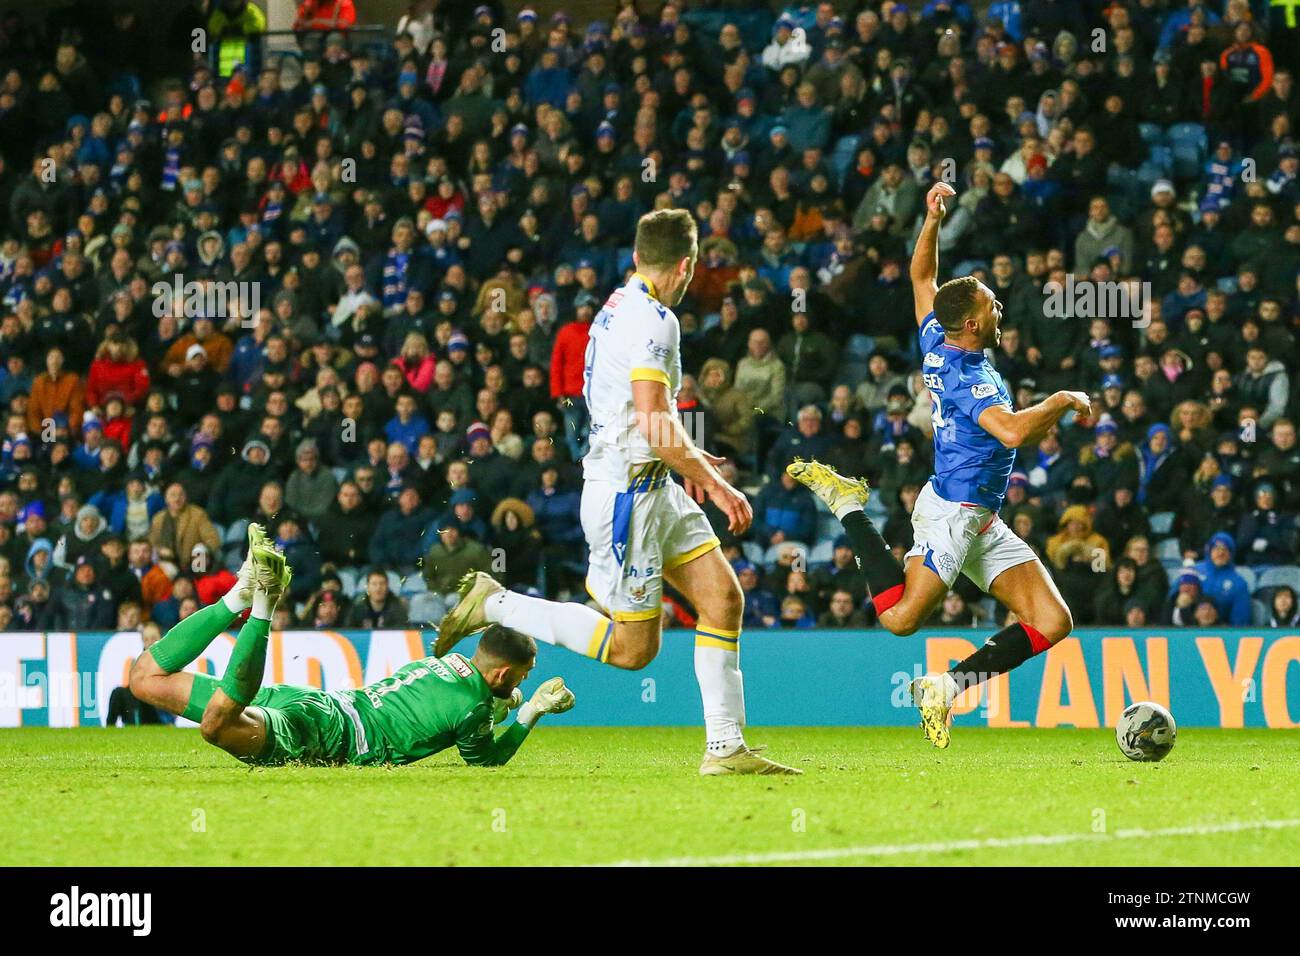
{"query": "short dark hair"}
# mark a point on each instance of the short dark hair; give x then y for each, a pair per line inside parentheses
(506, 645)
(954, 301)
(665, 237)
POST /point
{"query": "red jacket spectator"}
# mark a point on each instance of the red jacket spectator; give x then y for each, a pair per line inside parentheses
(119, 430)
(568, 358)
(325, 15)
(117, 368)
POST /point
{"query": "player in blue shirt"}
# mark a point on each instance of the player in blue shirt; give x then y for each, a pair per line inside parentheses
(955, 522)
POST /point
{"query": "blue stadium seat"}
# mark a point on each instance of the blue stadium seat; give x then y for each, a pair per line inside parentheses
(822, 553)
(1258, 614)
(852, 374)
(427, 608)
(413, 585)
(753, 551)
(1249, 575)
(843, 156)
(772, 554)
(828, 526)
(1153, 134)
(349, 578)
(1188, 161)
(1161, 160)
(1162, 523)
(340, 474)
(1172, 565)
(1169, 550)
(236, 533)
(859, 347)
(1275, 577)
(1189, 134)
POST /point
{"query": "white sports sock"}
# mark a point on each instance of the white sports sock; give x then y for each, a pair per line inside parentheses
(234, 598)
(722, 688)
(575, 627)
(262, 606)
(950, 688)
(847, 509)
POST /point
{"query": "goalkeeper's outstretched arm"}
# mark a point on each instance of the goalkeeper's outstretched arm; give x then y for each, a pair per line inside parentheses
(476, 743)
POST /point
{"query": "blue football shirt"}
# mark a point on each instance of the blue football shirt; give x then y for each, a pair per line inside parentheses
(970, 465)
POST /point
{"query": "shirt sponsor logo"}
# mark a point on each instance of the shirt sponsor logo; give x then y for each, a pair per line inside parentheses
(460, 666)
(932, 360)
(984, 390)
(657, 350)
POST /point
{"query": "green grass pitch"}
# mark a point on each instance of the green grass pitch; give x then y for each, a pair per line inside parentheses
(158, 796)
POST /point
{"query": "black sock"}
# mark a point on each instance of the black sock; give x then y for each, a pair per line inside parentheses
(1004, 651)
(872, 554)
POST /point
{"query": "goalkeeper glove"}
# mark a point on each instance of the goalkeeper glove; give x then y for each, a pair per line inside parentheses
(552, 697)
(500, 708)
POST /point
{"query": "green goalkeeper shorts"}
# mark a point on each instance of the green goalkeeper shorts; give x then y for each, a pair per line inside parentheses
(303, 725)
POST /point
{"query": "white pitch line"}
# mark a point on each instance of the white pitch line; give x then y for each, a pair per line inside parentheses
(991, 843)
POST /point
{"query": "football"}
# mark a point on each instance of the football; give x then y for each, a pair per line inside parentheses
(1146, 731)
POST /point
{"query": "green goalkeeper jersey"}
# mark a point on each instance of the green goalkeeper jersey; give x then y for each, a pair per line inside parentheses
(427, 706)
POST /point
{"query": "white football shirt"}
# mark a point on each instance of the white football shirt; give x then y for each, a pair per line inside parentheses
(634, 337)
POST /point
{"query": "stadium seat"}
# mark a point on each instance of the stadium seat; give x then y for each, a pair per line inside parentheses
(1258, 614)
(1248, 574)
(1153, 134)
(349, 577)
(753, 551)
(413, 585)
(851, 374)
(236, 532)
(1288, 575)
(1169, 550)
(828, 526)
(427, 608)
(822, 553)
(1162, 523)
(1190, 135)
(340, 474)
(859, 347)
(773, 554)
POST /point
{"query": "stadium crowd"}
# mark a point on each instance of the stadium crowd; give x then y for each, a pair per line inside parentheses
(428, 218)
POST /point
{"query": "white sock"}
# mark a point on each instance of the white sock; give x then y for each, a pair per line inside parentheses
(234, 599)
(262, 606)
(949, 688)
(722, 689)
(847, 509)
(574, 627)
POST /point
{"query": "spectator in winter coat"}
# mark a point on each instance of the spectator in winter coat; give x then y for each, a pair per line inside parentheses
(311, 488)
(1267, 535)
(56, 391)
(399, 539)
(761, 607)
(761, 375)
(181, 525)
(1221, 582)
(117, 368)
(785, 511)
(378, 607)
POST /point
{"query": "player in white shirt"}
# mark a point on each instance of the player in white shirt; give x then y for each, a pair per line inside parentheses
(641, 526)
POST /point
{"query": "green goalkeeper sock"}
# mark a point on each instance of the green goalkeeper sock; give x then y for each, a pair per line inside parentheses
(200, 694)
(189, 638)
(243, 677)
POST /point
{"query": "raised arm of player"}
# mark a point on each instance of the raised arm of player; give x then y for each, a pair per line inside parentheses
(925, 257)
(673, 446)
(1030, 425)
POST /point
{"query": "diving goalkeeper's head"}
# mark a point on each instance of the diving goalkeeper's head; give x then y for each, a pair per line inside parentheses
(504, 657)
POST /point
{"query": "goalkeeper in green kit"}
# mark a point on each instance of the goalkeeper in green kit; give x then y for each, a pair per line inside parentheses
(427, 706)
